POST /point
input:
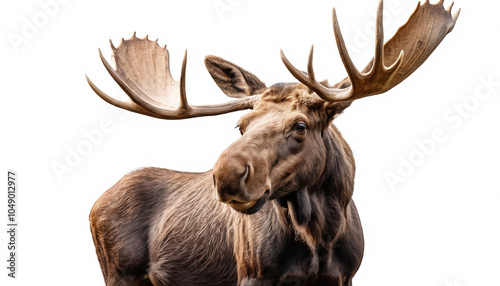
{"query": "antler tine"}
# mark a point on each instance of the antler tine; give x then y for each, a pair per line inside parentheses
(310, 70)
(455, 16)
(379, 36)
(309, 79)
(352, 71)
(450, 7)
(300, 76)
(378, 66)
(183, 103)
(143, 73)
(378, 60)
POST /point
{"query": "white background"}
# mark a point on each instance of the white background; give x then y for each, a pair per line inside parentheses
(440, 226)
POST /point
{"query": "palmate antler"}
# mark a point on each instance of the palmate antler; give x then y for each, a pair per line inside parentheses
(143, 72)
(407, 50)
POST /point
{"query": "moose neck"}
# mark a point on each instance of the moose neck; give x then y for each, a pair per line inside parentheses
(318, 212)
(316, 215)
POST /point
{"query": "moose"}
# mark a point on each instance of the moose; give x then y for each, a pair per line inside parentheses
(277, 208)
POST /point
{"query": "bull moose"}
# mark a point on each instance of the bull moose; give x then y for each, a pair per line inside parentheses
(276, 209)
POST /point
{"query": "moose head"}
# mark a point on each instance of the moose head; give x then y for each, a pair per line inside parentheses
(285, 146)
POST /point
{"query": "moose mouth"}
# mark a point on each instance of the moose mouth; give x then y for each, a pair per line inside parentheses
(250, 207)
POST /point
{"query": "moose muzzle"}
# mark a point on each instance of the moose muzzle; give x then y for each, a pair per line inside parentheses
(241, 179)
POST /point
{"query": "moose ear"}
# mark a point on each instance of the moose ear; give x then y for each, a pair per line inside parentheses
(232, 79)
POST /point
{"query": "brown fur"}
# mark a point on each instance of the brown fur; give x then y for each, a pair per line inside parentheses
(162, 227)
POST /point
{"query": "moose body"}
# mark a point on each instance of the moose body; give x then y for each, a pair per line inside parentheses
(276, 209)
(168, 224)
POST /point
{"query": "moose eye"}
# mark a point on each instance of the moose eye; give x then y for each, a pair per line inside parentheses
(300, 127)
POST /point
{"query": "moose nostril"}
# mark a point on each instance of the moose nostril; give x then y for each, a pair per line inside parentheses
(246, 174)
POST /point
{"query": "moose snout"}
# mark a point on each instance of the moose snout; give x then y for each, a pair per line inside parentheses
(238, 182)
(230, 178)
(230, 187)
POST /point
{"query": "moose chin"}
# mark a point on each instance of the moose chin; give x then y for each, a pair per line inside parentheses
(276, 209)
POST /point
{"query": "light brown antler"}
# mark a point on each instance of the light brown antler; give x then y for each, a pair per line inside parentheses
(143, 72)
(407, 50)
